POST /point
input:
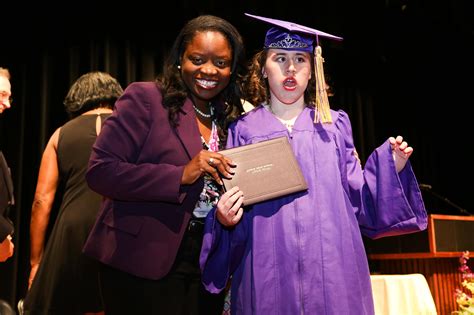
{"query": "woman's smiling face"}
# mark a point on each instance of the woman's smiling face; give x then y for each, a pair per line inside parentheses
(206, 65)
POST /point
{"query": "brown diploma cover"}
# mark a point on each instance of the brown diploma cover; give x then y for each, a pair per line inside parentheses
(265, 170)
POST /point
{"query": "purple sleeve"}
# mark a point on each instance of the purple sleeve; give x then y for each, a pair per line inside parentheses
(222, 248)
(386, 203)
(113, 168)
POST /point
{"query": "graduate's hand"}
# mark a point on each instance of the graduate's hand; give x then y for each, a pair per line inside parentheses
(400, 152)
(207, 162)
(229, 208)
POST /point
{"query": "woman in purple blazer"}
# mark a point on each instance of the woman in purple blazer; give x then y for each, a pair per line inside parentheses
(156, 164)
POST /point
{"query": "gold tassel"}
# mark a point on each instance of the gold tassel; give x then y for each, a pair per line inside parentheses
(323, 114)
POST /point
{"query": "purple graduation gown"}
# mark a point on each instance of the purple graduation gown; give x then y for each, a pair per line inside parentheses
(303, 253)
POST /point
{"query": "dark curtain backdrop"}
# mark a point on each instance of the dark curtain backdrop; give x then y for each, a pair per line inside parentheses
(404, 67)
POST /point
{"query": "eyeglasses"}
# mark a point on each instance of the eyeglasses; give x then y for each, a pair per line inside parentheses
(4, 96)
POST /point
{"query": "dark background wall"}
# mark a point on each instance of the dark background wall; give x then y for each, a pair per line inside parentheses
(404, 67)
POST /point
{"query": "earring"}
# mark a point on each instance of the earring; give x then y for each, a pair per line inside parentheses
(179, 67)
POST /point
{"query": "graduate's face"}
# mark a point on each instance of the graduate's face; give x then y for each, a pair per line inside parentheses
(288, 74)
(206, 65)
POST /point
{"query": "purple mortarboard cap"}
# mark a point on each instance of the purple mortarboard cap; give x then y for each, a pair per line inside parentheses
(291, 36)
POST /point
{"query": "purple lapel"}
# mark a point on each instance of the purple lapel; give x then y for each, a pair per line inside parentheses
(188, 131)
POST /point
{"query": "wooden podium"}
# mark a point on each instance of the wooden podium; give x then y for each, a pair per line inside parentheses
(434, 253)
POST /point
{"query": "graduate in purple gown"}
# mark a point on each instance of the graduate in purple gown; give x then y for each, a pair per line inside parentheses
(303, 253)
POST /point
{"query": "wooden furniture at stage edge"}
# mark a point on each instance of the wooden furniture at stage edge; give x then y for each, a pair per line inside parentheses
(434, 253)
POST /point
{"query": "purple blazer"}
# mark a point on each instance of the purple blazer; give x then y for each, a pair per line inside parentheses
(137, 163)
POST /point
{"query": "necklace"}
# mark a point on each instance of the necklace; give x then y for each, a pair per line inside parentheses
(202, 114)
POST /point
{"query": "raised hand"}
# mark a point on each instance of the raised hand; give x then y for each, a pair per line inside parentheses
(400, 152)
